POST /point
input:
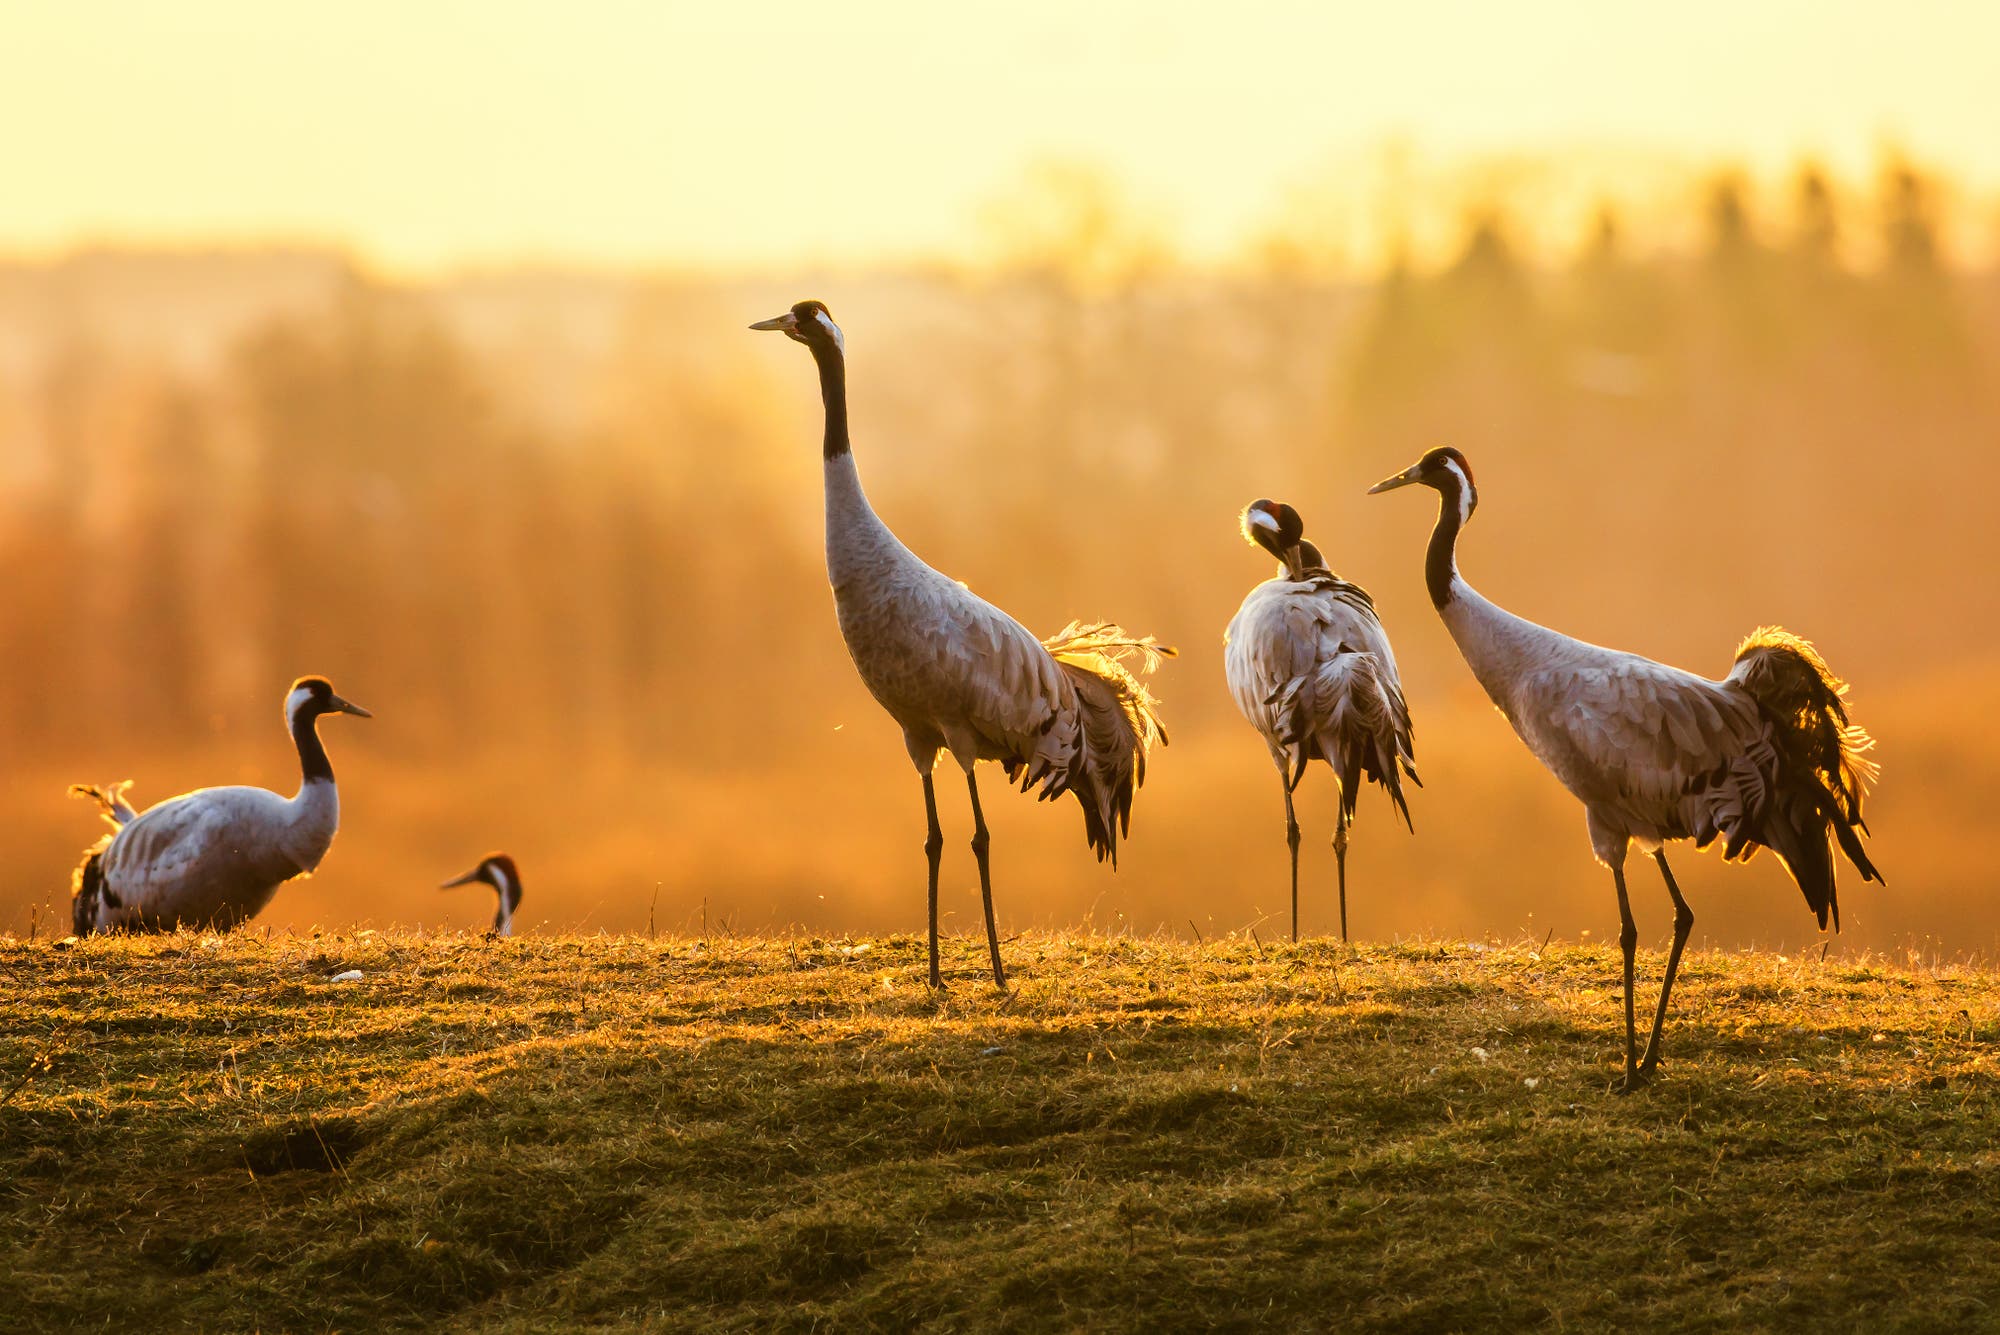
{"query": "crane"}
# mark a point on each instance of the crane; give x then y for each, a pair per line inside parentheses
(497, 870)
(1764, 758)
(215, 856)
(957, 674)
(1310, 667)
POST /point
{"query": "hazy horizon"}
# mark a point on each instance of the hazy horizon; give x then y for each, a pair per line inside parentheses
(563, 539)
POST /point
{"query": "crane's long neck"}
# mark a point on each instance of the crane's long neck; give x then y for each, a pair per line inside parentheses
(1441, 575)
(860, 549)
(509, 893)
(316, 809)
(833, 392)
(1498, 646)
(314, 767)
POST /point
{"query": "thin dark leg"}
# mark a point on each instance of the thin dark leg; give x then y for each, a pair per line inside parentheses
(1683, 924)
(933, 850)
(1628, 940)
(980, 841)
(1292, 838)
(1340, 857)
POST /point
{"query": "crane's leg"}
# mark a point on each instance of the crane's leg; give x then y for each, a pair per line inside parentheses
(1683, 924)
(934, 851)
(1340, 857)
(980, 841)
(1292, 839)
(1628, 941)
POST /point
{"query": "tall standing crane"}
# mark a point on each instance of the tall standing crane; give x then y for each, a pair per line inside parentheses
(1310, 666)
(1062, 715)
(1764, 758)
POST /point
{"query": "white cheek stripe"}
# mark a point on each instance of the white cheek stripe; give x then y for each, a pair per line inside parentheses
(504, 917)
(1264, 519)
(831, 328)
(1464, 492)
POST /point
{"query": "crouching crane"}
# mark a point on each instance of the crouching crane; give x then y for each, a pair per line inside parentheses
(214, 857)
(1062, 715)
(1310, 667)
(498, 871)
(1764, 758)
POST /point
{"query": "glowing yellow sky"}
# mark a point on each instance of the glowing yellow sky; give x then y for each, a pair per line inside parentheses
(773, 132)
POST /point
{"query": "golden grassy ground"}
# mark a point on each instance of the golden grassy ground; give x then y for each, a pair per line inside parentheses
(562, 1133)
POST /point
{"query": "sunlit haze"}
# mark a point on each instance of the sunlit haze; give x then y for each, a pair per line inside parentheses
(405, 344)
(431, 137)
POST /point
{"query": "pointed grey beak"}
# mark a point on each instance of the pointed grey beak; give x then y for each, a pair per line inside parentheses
(787, 321)
(466, 879)
(1402, 479)
(349, 707)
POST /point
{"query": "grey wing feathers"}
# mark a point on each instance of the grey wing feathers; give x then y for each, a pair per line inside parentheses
(1352, 708)
(1628, 733)
(1120, 723)
(211, 857)
(1765, 758)
(149, 860)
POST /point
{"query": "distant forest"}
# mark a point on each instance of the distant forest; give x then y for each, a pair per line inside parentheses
(567, 526)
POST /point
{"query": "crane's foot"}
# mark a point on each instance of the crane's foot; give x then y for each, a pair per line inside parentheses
(1635, 1080)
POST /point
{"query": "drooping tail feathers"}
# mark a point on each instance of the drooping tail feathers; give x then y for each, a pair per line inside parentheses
(111, 797)
(1822, 767)
(1351, 713)
(87, 888)
(1121, 723)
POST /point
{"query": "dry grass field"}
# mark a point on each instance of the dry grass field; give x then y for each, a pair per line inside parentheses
(601, 1132)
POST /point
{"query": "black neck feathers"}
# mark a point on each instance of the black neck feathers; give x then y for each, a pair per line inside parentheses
(312, 756)
(1441, 560)
(833, 391)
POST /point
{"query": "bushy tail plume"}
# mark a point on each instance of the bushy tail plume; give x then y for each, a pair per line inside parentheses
(1362, 728)
(1121, 723)
(111, 797)
(86, 885)
(1822, 770)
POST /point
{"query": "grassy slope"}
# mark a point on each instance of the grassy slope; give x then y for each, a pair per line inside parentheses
(751, 1134)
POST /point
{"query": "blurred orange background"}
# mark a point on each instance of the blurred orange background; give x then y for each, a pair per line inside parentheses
(406, 346)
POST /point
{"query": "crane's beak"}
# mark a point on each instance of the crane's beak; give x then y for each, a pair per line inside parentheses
(349, 707)
(787, 322)
(1402, 479)
(466, 879)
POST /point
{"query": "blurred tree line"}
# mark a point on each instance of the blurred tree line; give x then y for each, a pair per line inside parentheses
(359, 492)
